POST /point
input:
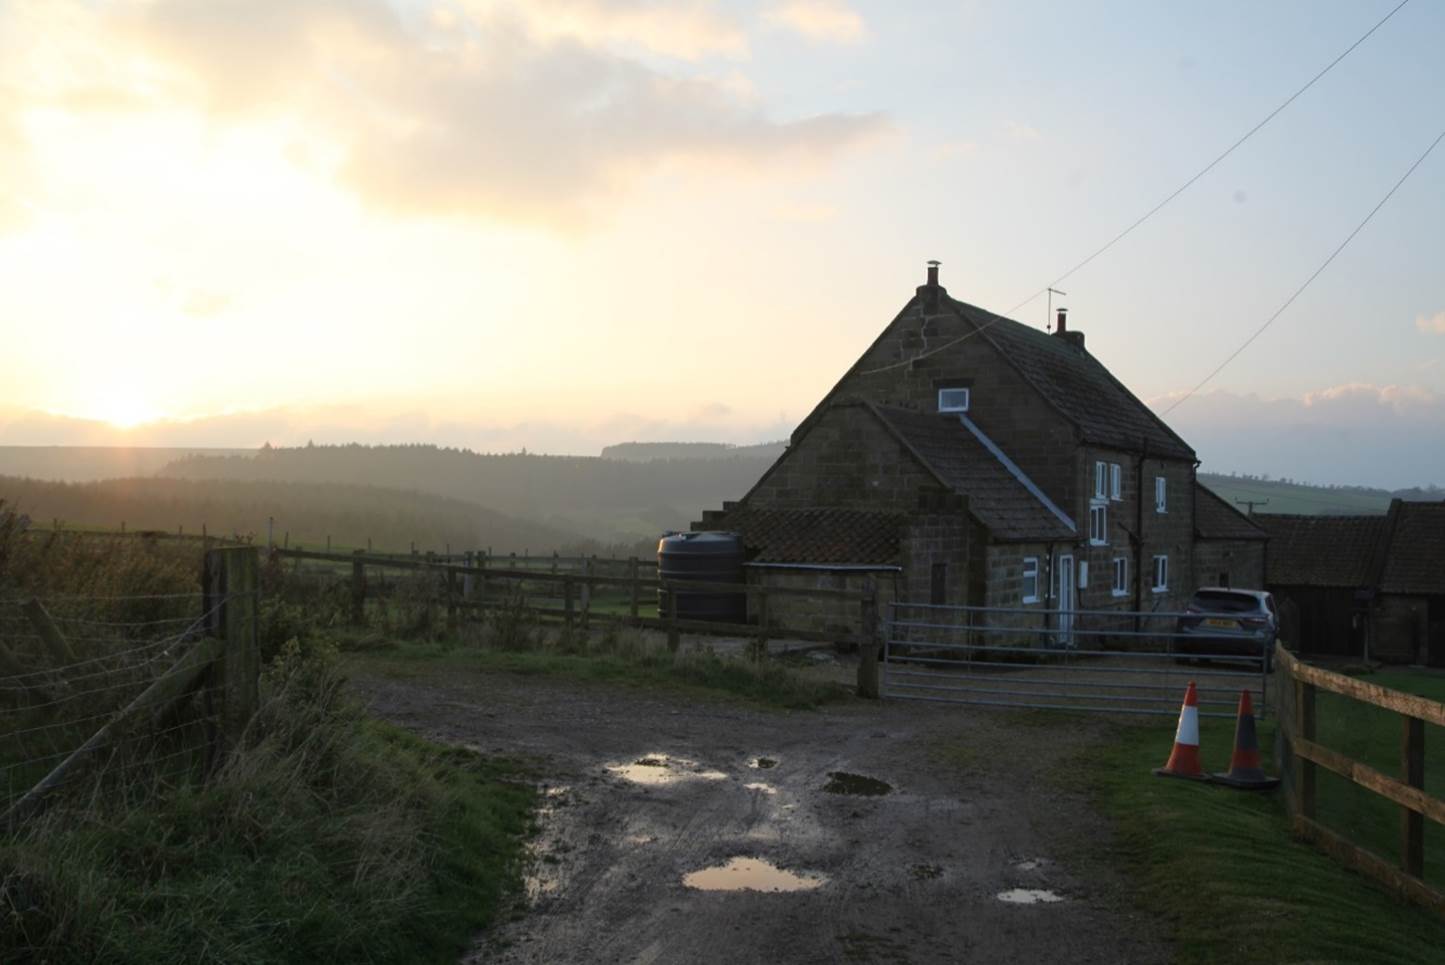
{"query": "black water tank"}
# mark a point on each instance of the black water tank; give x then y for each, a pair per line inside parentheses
(708, 557)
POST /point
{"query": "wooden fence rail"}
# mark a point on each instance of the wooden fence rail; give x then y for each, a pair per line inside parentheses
(462, 589)
(1302, 754)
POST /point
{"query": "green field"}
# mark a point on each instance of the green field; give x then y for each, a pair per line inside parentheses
(1222, 867)
(1296, 498)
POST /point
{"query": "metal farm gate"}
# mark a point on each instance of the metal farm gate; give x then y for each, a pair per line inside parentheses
(1103, 661)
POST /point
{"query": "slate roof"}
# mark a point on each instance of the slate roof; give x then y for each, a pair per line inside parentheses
(1216, 519)
(816, 536)
(1415, 562)
(1077, 385)
(996, 497)
(1336, 551)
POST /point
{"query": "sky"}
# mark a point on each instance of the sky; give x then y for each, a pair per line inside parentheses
(560, 224)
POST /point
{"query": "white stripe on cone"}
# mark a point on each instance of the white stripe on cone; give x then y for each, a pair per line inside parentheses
(1188, 730)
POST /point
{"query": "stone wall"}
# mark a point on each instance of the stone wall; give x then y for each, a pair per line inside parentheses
(847, 461)
(1400, 633)
(1001, 403)
(821, 614)
(1241, 560)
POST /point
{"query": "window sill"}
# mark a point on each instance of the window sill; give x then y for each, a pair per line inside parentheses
(1098, 542)
(1028, 600)
(1116, 594)
(1160, 589)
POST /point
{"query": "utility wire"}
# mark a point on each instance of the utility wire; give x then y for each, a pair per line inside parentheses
(1300, 290)
(1154, 210)
(1211, 165)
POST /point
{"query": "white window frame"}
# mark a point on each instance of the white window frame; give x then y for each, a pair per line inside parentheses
(1101, 480)
(1161, 494)
(1116, 482)
(1161, 573)
(1099, 537)
(1031, 570)
(953, 406)
(1121, 576)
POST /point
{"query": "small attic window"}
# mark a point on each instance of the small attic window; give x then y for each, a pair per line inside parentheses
(953, 400)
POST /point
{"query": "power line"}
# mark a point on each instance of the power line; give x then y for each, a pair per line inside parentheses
(1211, 165)
(1317, 272)
(1152, 211)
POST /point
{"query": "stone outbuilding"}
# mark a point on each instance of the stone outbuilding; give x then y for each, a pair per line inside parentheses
(1364, 585)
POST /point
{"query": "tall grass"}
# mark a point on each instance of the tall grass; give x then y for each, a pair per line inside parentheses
(326, 837)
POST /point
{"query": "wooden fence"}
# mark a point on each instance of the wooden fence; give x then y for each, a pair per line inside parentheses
(1301, 755)
(575, 582)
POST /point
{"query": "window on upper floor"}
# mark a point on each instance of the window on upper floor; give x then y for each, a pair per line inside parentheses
(1116, 482)
(1099, 524)
(1101, 480)
(1161, 573)
(953, 400)
(1121, 576)
(1031, 579)
(1161, 495)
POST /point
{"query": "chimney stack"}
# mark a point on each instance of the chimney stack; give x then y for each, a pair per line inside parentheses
(933, 273)
(1074, 338)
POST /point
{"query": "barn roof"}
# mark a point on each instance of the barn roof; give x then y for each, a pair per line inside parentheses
(1338, 551)
(1216, 519)
(1415, 562)
(1000, 496)
(817, 536)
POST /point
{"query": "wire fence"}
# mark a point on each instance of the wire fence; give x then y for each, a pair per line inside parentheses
(100, 675)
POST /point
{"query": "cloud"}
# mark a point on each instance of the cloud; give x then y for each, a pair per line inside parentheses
(541, 111)
(685, 29)
(1357, 433)
(1022, 132)
(821, 21)
(1432, 325)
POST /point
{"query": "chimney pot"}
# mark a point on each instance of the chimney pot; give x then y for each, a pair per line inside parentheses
(933, 272)
(1063, 321)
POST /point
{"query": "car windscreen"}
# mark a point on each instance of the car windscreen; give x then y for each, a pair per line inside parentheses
(1225, 603)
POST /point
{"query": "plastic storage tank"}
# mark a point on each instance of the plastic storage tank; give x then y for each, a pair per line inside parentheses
(711, 557)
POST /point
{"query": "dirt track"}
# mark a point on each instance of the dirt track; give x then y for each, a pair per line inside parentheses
(911, 876)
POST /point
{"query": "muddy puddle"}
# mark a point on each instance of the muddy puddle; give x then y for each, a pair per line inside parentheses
(751, 874)
(841, 782)
(1028, 896)
(657, 769)
(763, 763)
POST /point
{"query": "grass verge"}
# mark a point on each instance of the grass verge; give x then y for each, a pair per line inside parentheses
(1221, 867)
(328, 837)
(632, 662)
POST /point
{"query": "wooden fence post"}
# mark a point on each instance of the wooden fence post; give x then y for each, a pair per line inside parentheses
(586, 593)
(358, 591)
(762, 642)
(231, 587)
(674, 638)
(451, 600)
(636, 589)
(1412, 771)
(868, 642)
(1305, 728)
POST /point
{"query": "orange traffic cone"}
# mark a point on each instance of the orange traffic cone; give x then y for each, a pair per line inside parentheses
(1184, 759)
(1244, 771)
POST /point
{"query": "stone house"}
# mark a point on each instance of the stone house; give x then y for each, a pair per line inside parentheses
(1013, 472)
(1364, 585)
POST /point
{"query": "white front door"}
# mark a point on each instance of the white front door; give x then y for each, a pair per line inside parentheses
(1066, 597)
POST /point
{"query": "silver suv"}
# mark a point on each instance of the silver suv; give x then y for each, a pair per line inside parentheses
(1223, 622)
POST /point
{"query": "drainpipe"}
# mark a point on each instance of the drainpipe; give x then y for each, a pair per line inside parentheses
(1139, 538)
